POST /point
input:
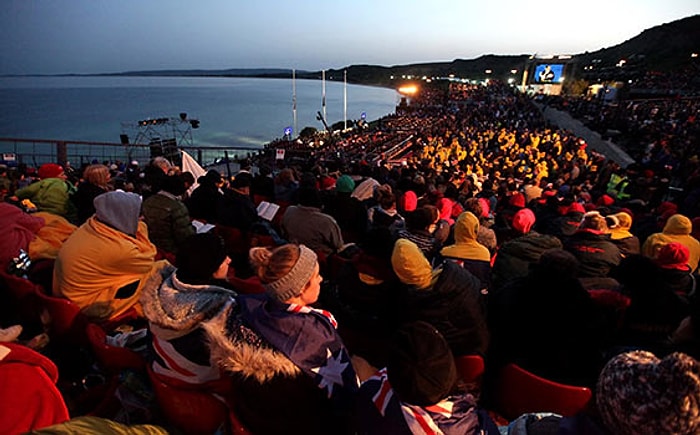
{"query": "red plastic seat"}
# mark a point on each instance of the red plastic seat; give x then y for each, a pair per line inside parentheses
(112, 358)
(520, 391)
(470, 368)
(189, 410)
(65, 321)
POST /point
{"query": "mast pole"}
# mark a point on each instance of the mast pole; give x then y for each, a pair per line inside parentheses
(345, 99)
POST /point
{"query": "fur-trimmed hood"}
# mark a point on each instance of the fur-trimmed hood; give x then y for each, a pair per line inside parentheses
(171, 304)
(237, 349)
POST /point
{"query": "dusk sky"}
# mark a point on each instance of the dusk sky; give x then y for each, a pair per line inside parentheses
(96, 36)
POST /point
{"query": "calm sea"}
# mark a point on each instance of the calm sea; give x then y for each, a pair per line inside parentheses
(233, 112)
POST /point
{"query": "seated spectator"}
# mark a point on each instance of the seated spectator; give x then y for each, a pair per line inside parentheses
(236, 207)
(176, 301)
(677, 229)
(448, 297)
(348, 212)
(419, 388)
(486, 236)
(275, 346)
(95, 182)
(550, 304)
(655, 310)
(204, 201)
(640, 393)
(286, 186)
(675, 271)
(306, 224)
(418, 225)
(596, 254)
(384, 214)
(620, 234)
(52, 193)
(467, 251)
(263, 184)
(167, 217)
(515, 257)
(102, 264)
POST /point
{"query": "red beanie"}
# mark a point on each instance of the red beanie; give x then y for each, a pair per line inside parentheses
(605, 201)
(517, 200)
(673, 256)
(50, 170)
(576, 207)
(523, 220)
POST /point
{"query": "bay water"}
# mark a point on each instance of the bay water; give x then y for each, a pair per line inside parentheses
(233, 112)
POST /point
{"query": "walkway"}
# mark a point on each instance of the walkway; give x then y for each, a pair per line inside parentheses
(564, 121)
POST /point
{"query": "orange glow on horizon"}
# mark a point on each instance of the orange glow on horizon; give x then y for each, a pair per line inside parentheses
(408, 89)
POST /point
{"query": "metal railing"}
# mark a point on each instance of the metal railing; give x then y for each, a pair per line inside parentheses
(35, 152)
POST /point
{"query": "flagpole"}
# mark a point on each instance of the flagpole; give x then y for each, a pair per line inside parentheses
(323, 80)
(294, 101)
(345, 100)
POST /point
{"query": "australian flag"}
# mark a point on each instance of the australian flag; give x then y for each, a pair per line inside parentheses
(307, 336)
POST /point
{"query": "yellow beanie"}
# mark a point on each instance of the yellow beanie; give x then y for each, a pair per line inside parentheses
(410, 265)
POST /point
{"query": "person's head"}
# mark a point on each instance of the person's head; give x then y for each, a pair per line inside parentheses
(201, 259)
(466, 227)
(51, 170)
(523, 220)
(640, 393)
(673, 256)
(594, 221)
(98, 175)
(420, 367)
(162, 163)
(385, 197)
(174, 185)
(242, 182)
(678, 224)
(410, 265)
(289, 273)
(420, 219)
(345, 184)
(120, 210)
(212, 178)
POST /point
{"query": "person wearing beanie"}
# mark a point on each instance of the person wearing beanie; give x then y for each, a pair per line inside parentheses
(178, 299)
(515, 256)
(595, 252)
(52, 193)
(566, 225)
(639, 393)
(408, 202)
(620, 234)
(551, 305)
(307, 224)
(348, 212)
(419, 388)
(448, 296)
(467, 251)
(167, 217)
(673, 261)
(276, 346)
(677, 229)
(101, 266)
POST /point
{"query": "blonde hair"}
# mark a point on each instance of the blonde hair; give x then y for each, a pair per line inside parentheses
(272, 264)
(97, 175)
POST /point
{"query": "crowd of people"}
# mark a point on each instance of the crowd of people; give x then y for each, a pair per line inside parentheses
(486, 232)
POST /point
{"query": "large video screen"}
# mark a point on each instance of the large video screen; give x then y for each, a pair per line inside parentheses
(548, 73)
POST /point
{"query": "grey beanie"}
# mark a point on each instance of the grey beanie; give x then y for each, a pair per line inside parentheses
(119, 210)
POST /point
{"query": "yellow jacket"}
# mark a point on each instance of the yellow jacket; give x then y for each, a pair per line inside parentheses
(97, 260)
(677, 229)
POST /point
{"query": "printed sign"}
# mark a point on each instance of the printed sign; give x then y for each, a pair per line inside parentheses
(280, 154)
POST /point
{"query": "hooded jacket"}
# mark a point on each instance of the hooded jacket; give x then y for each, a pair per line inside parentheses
(51, 195)
(677, 229)
(515, 256)
(453, 306)
(97, 260)
(467, 251)
(175, 311)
